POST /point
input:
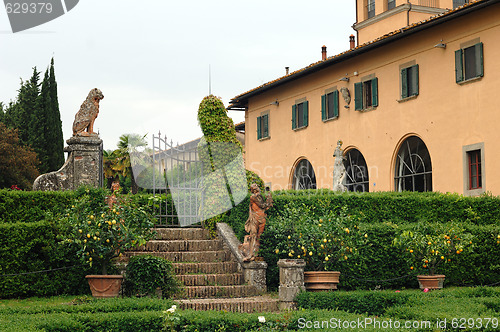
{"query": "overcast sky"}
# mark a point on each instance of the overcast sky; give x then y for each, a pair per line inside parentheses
(151, 58)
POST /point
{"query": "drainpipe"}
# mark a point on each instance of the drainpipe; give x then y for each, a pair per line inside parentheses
(408, 13)
(357, 33)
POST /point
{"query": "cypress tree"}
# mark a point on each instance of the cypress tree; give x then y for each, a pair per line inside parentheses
(26, 106)
(54, 123)
(9, 116)
(2, 115)
(39, 130)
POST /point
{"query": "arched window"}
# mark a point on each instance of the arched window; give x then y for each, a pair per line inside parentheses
(303, 176)
(413, 166)
(356, 171)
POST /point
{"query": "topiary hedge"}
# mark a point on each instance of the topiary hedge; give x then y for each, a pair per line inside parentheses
(381, 265)
(29, 247)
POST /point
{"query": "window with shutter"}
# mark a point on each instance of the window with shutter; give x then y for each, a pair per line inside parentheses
(469, 63)
(330, 105)
(366, 94)
(259, 127)
(263, 126)
(300, 115)
(409, 81)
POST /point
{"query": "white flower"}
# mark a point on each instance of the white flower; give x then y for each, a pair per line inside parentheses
(262, 319)
(172, 309)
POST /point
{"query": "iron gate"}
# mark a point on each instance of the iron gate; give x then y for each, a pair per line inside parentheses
(177, 182)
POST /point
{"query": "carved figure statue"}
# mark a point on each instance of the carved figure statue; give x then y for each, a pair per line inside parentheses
(255, 223)
(115, 188)
(85, 117)
(346, 95)
(339, 172)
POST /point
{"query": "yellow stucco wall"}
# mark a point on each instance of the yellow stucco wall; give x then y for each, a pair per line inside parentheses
(445, 115)
(385, 21)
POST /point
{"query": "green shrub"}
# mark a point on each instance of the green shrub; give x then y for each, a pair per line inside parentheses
(146, 274)
(29, 247)
(372, 303)
(379, 264)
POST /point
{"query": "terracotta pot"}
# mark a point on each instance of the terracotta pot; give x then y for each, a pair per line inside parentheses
(316, 281)
(431, 282)
(103, 286)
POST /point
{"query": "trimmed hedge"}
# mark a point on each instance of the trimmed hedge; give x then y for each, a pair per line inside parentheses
(381, 265)
(31, 206)
(387, 303)
(29, 247)
(319, 309)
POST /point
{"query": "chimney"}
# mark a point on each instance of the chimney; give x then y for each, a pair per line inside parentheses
(352, 42)
(287, 69)
(323, 52)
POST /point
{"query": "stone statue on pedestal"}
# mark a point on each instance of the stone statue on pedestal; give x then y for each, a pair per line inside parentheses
(339, 172)
(255, 223)
(84, 162)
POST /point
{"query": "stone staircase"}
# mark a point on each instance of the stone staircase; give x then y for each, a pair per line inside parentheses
(209, 271)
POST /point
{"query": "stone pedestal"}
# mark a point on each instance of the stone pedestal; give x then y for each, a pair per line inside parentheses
(83, 166)
(291, 281)
(255, 274)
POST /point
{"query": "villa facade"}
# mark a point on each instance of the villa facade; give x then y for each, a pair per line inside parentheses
(412, 105)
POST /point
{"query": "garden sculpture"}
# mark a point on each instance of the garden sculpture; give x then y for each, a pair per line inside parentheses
(255, 223)
(339, 172)
(115, 188)
(85, 117)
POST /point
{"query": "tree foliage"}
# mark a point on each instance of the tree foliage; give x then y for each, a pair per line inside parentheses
(17, 162)
(117, 164)
(35, 114)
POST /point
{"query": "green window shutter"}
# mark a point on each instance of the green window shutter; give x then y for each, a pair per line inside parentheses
(375, 92)
(294, 116)
(306, 113)
(259, 127)
(265, 129)
(358, 96)
(404, 83)
(479, 59)
(323, 107)
(415, 79)
(336, 103)
(459, 68)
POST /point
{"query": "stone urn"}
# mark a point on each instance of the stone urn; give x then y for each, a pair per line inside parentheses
(431, 281)
(105, 286)
(316, 281)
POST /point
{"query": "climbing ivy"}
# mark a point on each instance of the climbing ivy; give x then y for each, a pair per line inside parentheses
(223, 147)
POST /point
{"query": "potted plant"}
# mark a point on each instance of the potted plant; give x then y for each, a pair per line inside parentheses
(322, 242)
(101, 234)
(430, 246)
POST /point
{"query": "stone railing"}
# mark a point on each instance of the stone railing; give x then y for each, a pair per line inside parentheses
(254, 272)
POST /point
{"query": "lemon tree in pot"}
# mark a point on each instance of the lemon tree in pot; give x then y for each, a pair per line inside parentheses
(322, 242)
(429, 246)
(101, 234)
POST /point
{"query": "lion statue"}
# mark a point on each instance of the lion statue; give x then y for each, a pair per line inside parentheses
(85, 117)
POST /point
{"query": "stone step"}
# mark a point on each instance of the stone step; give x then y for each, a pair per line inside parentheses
(181, 245)
(187, 256)
(211, 268)
(211, 279)
(191, 292)
(182, 234)
(243, 305)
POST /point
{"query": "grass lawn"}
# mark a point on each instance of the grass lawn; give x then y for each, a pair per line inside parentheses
(450, 309)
